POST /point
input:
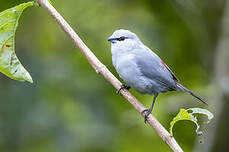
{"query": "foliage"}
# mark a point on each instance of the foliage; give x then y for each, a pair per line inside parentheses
(70, 108)
(9, 63)
(189, 114)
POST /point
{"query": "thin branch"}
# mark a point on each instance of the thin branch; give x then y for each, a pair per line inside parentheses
(102, 69)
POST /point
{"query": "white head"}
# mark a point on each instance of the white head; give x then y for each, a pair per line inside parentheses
(123, 41)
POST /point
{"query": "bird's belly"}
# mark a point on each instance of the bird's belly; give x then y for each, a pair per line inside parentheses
(131, 74)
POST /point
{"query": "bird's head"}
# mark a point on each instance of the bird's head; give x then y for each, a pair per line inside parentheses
(124, 39)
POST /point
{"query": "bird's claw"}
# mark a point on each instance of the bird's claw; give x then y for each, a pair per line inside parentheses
(145, 113)
(123, 86)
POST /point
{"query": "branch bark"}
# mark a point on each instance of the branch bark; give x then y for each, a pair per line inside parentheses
(102, 69)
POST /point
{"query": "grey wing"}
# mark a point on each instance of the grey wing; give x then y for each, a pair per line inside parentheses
(170, 71)
(153, 68)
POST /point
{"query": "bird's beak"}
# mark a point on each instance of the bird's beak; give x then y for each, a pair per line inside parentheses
(112, 40)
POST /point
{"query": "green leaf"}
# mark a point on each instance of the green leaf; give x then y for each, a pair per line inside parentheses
(193, 111)
(9, 63)
(189, 115)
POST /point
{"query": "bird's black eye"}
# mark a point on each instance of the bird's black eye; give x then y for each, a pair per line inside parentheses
(122, 38)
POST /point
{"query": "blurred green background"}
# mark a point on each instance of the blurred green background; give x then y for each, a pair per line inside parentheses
(70, 108)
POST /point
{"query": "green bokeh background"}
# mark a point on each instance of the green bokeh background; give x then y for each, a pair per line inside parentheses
(70, 108)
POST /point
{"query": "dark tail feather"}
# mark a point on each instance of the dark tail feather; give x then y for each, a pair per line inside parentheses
(182, 88)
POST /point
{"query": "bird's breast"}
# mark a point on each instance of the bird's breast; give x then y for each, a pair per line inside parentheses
(127, 68)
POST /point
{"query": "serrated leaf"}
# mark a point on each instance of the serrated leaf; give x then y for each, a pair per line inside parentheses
(201, 111)
(182, 115)
(9, 63)
(187, 115)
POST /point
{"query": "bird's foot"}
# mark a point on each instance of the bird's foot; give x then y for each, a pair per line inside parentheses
(123, 86)
(146, 113)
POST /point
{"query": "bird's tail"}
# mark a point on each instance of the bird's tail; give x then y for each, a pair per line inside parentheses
(180, 87)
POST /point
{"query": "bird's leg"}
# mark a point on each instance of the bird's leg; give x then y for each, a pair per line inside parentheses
(147, 112)
(123, 86)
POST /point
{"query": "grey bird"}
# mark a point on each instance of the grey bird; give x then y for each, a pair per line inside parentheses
(141, 68)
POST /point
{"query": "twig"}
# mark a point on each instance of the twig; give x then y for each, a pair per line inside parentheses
(102, 69)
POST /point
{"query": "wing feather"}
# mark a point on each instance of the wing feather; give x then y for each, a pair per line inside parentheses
(152, 67)
(171, 72)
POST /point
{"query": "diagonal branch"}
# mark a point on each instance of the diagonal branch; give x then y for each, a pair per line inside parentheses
(102, 69)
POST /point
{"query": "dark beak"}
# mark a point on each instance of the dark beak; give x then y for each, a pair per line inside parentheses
(112, 40)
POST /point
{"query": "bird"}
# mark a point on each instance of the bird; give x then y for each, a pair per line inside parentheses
(142, 69)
